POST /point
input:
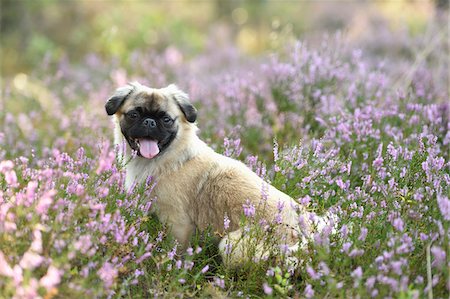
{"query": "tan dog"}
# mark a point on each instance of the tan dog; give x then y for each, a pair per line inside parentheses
(195, 186)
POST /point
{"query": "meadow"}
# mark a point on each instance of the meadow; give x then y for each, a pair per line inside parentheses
(329, 123)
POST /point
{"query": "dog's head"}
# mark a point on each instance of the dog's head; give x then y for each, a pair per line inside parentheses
(150, 119)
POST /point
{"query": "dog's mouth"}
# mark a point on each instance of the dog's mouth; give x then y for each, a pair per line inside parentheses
(147, 148)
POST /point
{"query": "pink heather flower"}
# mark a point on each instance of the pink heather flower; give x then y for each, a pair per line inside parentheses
(17, 275)
(83, 244)
(188, 265)
(392, 151)
(198, 250)
(36, 245)
(275, 150)
(226, 223)
(344, 231)
(30, 260)
(107, 274)
(143, 257)
(403, 172)
(31, 190)
(178, 264)
(313, 274)
(138, 273)
(439, 256)
(370, 282)
(378, 162)
(28, 291)
(45, 201)
(357, 273)
(6, 165)
(172, 253)
(249, 209)
(398, 224)
(190, 251)
(205, 269)
(305, 200)
(397, 267)
(5, 268)
(309, 292)
(267, 289)
(444, 206)
(363, 234)
(219, 282)
(340, 183)
(52, 278)
(182, 280)
(270, 272)
(346, 246)
(11, 178)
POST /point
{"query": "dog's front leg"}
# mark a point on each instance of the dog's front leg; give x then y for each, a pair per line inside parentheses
(182, 229)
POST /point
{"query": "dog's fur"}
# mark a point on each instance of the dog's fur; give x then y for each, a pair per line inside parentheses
(195, 186)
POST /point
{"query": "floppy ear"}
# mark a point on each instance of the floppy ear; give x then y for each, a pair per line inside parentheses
(116, 100)
(183, 102)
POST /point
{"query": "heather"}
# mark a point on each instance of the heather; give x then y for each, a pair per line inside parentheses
(335, 124)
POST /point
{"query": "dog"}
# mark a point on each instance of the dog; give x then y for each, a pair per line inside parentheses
(195, 186)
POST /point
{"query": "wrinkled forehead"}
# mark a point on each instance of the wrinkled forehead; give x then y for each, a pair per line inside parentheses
(150, 101)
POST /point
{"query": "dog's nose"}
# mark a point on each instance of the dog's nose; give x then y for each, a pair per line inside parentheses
(150, 122)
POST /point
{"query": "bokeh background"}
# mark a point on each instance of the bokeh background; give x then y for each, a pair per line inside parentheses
(33, 31)
(73, 54)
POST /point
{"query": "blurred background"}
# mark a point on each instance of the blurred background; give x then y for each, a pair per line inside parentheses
(34, 31)
(256, 69)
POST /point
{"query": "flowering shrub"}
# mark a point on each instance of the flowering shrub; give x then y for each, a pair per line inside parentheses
(347, 144)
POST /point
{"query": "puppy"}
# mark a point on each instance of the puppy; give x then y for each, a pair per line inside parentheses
(195, 186)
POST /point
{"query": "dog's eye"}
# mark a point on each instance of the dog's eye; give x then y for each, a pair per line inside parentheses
(167, 120)
(132, 114)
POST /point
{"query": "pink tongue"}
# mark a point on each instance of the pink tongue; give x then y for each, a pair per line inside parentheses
(148, 148)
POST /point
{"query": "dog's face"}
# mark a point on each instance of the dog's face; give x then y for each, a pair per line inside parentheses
(150, 119)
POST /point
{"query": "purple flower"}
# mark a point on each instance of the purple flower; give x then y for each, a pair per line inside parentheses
(378, 162)
(357, 273)
(444, 206)
(205, 269)
(178, 264)
(309, 292)
(226, 222)
(439, 256)
(5, 268)
(52, 278)
(172, 253)
(363, 234)
(397, 267)
(143, 257)
(108, 273)
(267, 289)
(30, 260)
(398, 224)
(346, 246)
(313, 274)
(83, 243)
(270, 272)
(370, 282)
(219, 282)
(249, 209)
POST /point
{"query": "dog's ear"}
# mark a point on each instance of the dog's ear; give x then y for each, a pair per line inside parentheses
(183, 102)
(116, 100)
